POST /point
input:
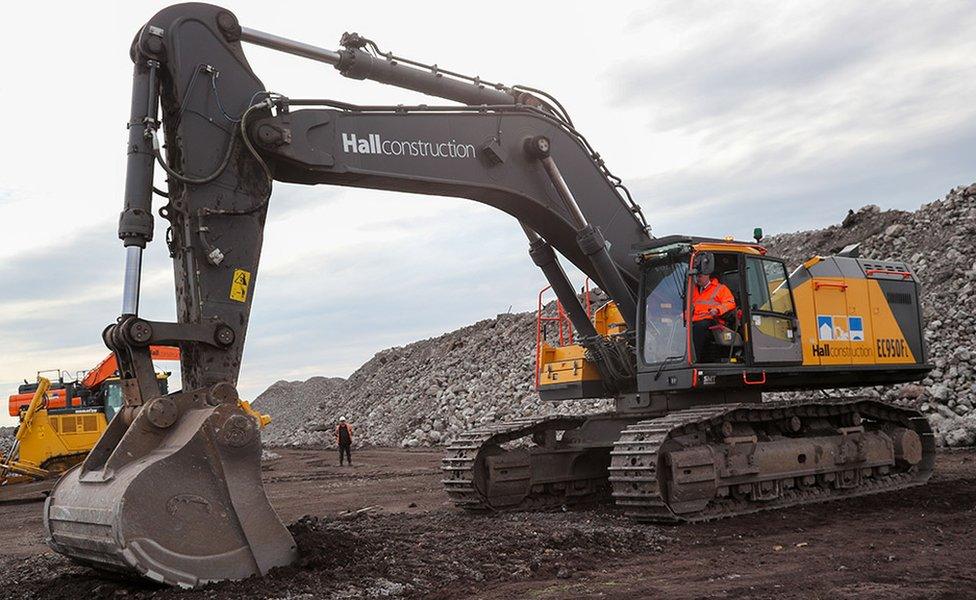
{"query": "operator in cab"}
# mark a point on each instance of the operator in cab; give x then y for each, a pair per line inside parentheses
(710, 302)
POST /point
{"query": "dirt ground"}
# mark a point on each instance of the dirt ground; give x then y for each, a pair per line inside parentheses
(412, 544)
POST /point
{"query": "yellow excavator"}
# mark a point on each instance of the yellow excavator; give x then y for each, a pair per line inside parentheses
(61, 420)
(172, 491)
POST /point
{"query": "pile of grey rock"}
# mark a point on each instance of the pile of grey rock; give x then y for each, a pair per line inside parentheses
(421, 394)
(293, 406)
(937, 242)
(427, 392)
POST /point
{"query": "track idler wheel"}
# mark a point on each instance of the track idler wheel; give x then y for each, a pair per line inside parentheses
(176, 496)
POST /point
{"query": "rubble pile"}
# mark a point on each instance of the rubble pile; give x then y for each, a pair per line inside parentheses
(292, 406)
(428, 391)
(937, 243)
(424, 393)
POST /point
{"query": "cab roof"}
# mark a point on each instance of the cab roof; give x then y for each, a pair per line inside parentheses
(703, 243)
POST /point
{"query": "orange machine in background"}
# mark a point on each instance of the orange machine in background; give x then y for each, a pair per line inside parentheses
(62, 419)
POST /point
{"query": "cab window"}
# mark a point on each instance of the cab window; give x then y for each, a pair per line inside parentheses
(113, 399)
(665, 331)
(768, 287)
(772, 319)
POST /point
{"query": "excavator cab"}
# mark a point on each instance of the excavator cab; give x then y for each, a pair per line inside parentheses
(762, 329)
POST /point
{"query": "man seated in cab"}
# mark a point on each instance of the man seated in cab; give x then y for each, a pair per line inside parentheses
(710, 301)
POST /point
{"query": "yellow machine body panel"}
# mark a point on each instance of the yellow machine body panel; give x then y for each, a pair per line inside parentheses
(891, 346)
(565, 365)
(607, 320)
(848, 320)
(55, 436)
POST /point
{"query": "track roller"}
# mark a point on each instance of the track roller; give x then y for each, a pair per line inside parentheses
(727, 460)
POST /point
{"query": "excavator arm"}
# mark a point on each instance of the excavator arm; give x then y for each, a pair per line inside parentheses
(173, 488)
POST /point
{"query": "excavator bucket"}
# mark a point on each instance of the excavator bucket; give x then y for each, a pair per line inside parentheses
(175, 496)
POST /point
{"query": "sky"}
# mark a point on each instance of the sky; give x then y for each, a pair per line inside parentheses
(719, 116)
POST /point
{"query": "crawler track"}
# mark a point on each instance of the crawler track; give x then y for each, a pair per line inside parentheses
(465, 477)
(60, 464)
(641, 458)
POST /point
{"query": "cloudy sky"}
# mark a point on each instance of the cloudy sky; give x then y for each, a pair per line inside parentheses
(720, 116)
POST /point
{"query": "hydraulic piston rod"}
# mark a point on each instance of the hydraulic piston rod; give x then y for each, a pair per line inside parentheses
(131, 283)
(545, 257)
(594, 245)
(275, 42)
(136, 221)
(356, 64)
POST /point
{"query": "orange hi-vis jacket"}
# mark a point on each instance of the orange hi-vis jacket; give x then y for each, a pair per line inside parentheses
(715, 295)
(338, 438)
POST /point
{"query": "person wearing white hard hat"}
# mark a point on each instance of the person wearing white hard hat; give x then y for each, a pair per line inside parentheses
(343, 438)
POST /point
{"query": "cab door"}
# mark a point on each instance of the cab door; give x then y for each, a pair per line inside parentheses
(773, 334)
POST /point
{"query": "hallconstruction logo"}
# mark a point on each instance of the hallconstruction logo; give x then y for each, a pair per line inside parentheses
(372, 143)
(845, 327)
(840, 328)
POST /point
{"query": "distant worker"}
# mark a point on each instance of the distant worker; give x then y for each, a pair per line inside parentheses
(710, 301)
(343, 436)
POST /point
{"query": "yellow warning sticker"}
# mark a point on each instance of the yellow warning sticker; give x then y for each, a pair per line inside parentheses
(238, 287)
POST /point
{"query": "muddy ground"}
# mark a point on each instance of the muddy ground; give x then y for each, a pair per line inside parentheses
(914, 544)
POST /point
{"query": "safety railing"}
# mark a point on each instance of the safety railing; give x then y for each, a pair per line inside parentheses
(564, 327)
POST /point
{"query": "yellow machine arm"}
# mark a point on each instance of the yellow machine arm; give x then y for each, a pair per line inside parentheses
(9, 462)
(43, 386)
(262, 420)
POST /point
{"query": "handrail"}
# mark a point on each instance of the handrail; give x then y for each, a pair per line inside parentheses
(903, 274)
(565, 328)
(834, 284)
